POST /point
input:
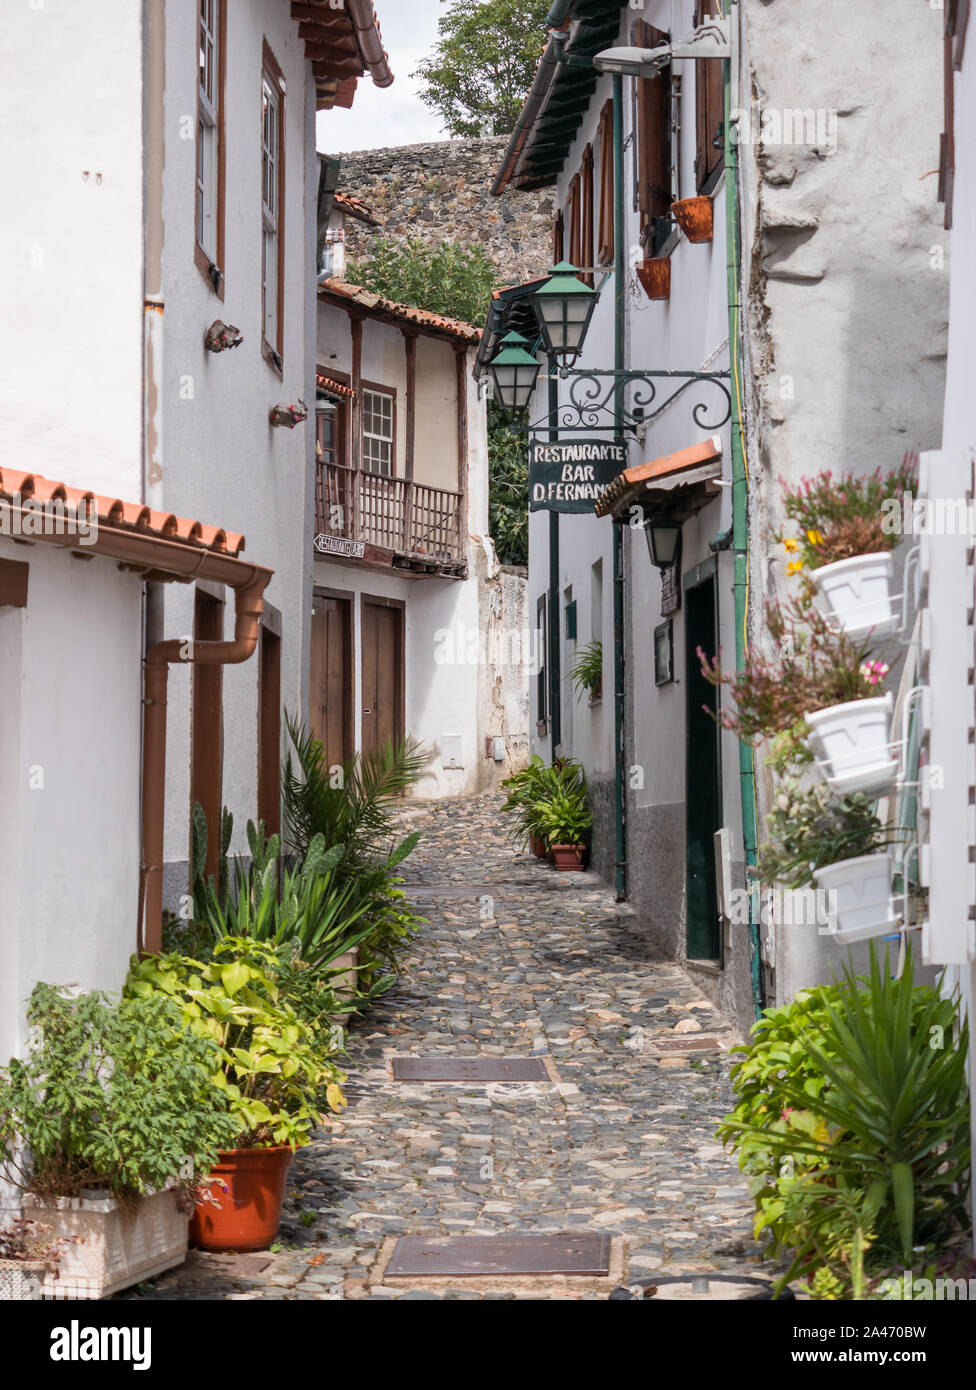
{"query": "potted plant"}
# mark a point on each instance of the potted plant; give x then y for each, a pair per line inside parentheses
(694, 217)
(107, 1124)
(523, 789)
(847, 528)
(587, 674)
(654, 275)
(860, 897)
(275, 1071)
(851, 742)
(567, 819)
(28, 1254)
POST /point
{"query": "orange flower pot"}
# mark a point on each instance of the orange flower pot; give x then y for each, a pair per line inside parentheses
(249, 1184)
(566, 857)
(655, 276)
(538, 846)
(694, 217)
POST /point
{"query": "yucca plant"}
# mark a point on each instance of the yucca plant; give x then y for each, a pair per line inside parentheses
(886, 1137)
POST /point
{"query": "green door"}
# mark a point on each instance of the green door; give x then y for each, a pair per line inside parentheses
(703, 786)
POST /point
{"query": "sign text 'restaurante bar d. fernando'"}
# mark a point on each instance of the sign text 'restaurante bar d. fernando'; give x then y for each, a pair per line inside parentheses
(570, 476)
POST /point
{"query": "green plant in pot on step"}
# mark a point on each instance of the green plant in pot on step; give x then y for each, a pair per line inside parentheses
(276, 1074)
(566, 821)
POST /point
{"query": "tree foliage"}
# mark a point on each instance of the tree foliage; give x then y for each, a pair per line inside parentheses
(483, 63)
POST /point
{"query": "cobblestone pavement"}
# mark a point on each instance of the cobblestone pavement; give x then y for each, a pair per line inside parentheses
(515, 960)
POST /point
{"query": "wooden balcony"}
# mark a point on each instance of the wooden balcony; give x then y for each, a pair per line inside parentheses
(418, 526)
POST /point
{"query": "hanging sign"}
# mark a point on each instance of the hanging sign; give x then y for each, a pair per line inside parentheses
(571, 475)
(339, 545)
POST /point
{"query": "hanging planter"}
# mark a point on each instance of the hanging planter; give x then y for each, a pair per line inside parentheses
(655, 276)
(249, 1185)
(856, 594)
(694, 217)
(852, 744)
(860, 898)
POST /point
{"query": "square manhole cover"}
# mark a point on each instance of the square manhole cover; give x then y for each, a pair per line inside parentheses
(686, 1044)
(478, 1069)
(495, 1255)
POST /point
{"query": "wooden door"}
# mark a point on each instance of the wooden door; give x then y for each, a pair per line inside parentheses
(703, 786)
(330, 696)
(382, 676)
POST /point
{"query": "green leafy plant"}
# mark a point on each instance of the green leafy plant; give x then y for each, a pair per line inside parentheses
(531, 791)
(111, 1094)
(275, 1068)
(565, 818)
(852, 1122)
(587, 673)
(446, 278)
(483, 63)
(808, 828)
(838, 518)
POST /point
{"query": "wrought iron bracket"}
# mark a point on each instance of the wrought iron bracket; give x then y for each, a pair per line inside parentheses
(631, 400)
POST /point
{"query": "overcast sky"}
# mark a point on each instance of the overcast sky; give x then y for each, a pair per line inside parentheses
(392, 115)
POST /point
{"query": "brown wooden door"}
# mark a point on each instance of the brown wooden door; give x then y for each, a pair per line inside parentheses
(382, 676)
(330, 697)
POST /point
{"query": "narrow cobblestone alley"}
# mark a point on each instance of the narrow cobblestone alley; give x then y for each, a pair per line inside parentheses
(515, 961)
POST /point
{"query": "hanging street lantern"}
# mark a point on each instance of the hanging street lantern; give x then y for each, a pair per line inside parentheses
(663, 542)
(564, 306)
(514, 371)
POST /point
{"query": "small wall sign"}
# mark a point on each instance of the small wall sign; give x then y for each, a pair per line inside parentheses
(570, 475)
(340, 545)
(663, 654)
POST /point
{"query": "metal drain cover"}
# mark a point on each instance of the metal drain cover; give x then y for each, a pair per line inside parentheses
(495, 1255)
(686, 1044)
(479, 1069)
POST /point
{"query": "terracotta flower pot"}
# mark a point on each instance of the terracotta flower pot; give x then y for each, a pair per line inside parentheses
(249, 1184)
(655, 276)
(566, 857)
(694, 217)
(538, 846)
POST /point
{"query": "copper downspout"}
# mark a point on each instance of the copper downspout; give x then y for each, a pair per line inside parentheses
(370, 44)
(248, 607)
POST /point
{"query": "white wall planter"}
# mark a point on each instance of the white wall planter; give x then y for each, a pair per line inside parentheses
(21, 1280)
(852, 744)
(108, 1248)
(860, 900)
(855, 594)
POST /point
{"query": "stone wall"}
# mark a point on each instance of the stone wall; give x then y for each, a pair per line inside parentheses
(442, 192)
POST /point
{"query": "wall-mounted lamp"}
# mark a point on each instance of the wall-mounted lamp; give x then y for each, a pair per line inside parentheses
(663, 542)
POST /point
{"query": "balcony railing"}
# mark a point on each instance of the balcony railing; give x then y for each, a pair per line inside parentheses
(410, 519)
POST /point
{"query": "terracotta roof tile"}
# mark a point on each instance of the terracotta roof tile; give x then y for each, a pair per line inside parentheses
(355, 207)
(667, 465)
(113, 511)
(338, 388)
(342, 291)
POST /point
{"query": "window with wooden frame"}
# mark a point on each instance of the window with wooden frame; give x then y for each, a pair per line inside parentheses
(573, 221)
(269, 723)
(272, 208)
(558, 248)
(207, 725)
(654, 188)
(605, 247)
(956, 22)
(330, 434)
(709, 110)
(209, 214)
(379, 421)
(586, 216)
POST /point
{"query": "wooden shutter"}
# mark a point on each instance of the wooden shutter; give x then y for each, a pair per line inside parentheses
(586, 214)
(709, 107)
(573, 218)
(605, 236)
(207, 726)
(558, 250)
(956, 21)
(269, 730)
(653, 139)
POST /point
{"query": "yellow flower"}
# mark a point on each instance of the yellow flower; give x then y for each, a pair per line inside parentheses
(815, 538)
(794, 567)
(791, 545)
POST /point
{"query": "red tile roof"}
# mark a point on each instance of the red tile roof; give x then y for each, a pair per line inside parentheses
(113, 511)
(343, 43)
(338, 388)
(355, 207)
(340, 292)
(667, 466)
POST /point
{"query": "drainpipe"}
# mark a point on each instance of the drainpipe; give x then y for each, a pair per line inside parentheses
(740, 531)
(619, 263)
(363, 17)
(555, 681)
(248, 607)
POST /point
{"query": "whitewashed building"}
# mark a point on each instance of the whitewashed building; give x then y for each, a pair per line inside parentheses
(167, 219)
(416, 628)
